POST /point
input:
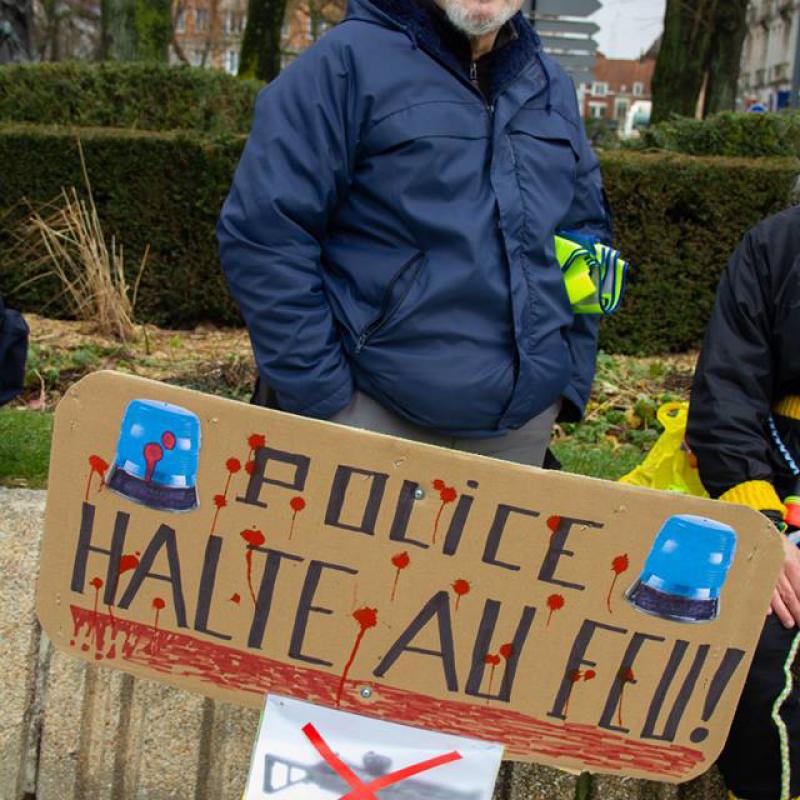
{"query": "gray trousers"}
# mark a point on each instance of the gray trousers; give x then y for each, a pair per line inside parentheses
(527, 445)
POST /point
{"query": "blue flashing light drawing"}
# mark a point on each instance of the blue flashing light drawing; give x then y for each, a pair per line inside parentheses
(687, 567)
(157, 456)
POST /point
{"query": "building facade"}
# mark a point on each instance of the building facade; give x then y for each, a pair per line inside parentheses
(770, 73)
(208, 33)
(617, 85)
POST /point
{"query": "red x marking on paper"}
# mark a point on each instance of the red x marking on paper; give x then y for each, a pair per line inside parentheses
(366, 791)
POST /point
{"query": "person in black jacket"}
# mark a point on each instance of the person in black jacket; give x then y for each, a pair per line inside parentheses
(744, 429)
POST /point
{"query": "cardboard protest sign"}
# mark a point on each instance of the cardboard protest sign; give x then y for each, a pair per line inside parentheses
(237, 551)
(306, 752)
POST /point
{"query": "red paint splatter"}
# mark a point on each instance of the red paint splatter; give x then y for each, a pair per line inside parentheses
(447, 494)
(625, 676)
(250, 467)
(507, 651)
(254, 441)
(400, 562)
(461, 588)
(128, 562)
(554, 523)
(99, 467)
(233, 465)
(366, 618)
(168, 440)
(589, 675)
(236, 598)
(555, 603)
(297, 504)
(152, 455)
(618, 566)
(254, 538)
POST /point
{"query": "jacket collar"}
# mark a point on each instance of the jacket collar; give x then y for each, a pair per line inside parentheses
(433, 33)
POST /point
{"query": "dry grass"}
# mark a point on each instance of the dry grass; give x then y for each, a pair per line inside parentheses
(69, 242)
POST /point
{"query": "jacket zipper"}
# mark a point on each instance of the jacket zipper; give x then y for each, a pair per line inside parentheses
(385, 313)
(476, 84)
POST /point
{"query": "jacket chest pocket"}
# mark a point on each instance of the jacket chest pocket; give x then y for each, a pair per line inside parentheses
(545, 151)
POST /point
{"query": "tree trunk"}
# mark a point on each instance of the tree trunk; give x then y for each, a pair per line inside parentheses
(725, 57)
(261, 47)
(683, 58)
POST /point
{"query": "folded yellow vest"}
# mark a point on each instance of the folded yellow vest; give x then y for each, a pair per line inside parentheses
(594, 275)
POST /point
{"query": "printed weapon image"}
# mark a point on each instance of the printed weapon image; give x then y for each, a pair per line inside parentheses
(281, 774)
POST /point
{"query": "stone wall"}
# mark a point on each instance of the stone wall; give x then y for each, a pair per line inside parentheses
(72, 731)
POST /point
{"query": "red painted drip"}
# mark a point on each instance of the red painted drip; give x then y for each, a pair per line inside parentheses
(158, 605)
(232, 670)
(618, 566)
(236, 598)
(220, 502)
(461, 588)
(366, 618)
(297, 504)
(492, 661)
(254, 538)
(99, 467)
(507, 651)
(113, 621)
(400, 562)
(555, 603)
(447, 494)
(168, 440)
(152, 455)
(626, 676)
(574, 677)
(98, 585)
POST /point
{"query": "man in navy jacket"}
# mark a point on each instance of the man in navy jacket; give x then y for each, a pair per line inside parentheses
(389, 232)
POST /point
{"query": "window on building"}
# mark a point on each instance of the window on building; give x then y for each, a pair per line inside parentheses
(232, 62)
(284, 29)
(180, 21)
(599, 89)
(638, 89)
(597, 110)
(200, 19)
(310, 28)
(197, 57)
(230, 22)
(621, 108)
(242, 22)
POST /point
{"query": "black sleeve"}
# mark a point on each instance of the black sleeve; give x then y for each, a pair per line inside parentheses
(733, 387)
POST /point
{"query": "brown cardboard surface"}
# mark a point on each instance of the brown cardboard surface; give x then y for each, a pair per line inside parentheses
(424, 586)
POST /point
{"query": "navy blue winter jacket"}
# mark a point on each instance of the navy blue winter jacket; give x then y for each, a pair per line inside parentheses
(391, 228)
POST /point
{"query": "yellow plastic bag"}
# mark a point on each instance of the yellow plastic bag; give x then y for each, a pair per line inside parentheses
(669, 465)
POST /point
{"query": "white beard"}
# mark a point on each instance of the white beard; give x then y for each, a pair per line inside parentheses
(477, 25)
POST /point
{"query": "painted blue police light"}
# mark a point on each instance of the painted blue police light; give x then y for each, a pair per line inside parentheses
(686, 570)
(157, 456)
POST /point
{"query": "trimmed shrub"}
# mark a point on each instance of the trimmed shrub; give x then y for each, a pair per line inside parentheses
(677, 220)
(727, 134)
(145, 96)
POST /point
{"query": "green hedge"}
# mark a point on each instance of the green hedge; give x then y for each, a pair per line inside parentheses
(126, 95)
(677, 220)
(727, 134)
